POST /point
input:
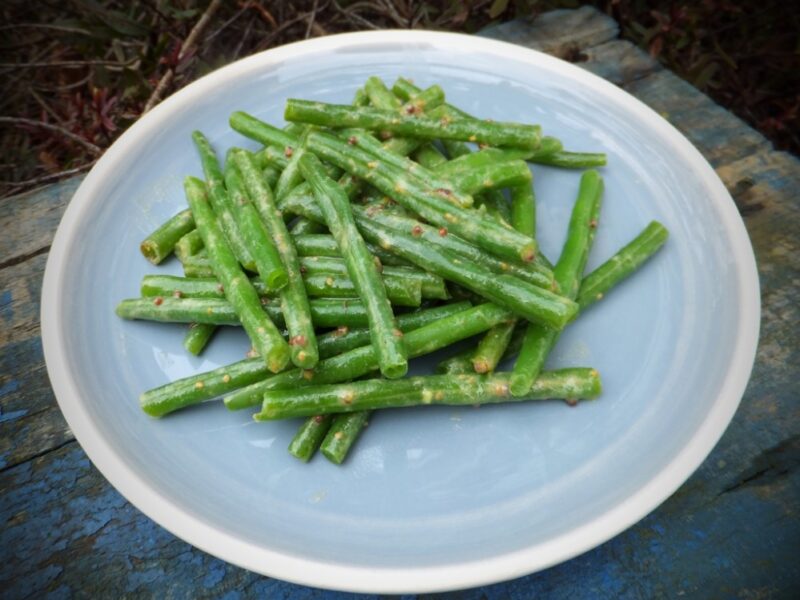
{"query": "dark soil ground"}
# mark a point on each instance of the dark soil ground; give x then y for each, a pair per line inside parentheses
(76, 73)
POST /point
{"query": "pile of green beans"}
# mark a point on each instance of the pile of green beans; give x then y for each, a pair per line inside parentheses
(362, 236)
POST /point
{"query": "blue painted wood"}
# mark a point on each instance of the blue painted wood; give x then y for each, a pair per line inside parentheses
(731, 531)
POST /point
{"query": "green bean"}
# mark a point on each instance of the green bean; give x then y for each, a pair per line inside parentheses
(275, 158)
(495, 204)
(325, 312)
(290, 176)
(294, 302)
(568, 272)
(270, 176)
(450, 390)
(343, 432)
(197, 337)
(598, 283)
(493, 345)
(523, 209)
(572, 160)
(303, 226)
(361, 267)
(189, 245)
(254, 234)
(334, 285)
(405, 90)
(258, 130)
(427, 127)
(160, 244)
(221, 201)
(487, 355)
(471, 161)
(534, 273)
(240, 293)
(195, 389)
(197, 265)
(345, 338)
(360, 361)
(401, 291)
(429, 204)
(380, 96)
(529, 301)
(494, 176)
(205, 386)
(319, 244)
(424, 101)
(430, 157)
(360, 98)
(309, 436)
(433, 287)
(423, 177)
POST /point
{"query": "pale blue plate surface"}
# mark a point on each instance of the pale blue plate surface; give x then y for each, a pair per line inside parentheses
(429, 489)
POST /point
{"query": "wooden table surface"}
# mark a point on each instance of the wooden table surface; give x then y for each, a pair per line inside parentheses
(731, 531)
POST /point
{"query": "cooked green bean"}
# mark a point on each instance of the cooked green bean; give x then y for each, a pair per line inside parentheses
(568, 271)
(389, 346)
(450, 390)
(294, 302)
(529, 301)
(598, 283)
(189, 245)
(432, 205)
(360, 361)
(243, 298)
(427, 127)
(254, 234)
(205, 386)
(572, 160)
(342, 433)
(160, 244)
(197, 337)
(221, 202)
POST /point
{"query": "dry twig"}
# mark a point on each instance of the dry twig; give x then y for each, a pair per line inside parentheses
(66, 133)
(187, 45)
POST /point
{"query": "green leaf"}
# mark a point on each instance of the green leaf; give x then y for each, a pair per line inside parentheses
(702, 79)
(118, 21)
(497, 8)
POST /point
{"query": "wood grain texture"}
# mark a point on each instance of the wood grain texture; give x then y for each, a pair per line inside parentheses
(729, 531)
(719, 135)
(561, 33)
(32, 218)
(618, 61)
(30, 422)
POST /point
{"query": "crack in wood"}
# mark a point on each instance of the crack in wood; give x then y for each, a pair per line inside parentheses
(16, 260)
(45, 452)
(772, 464)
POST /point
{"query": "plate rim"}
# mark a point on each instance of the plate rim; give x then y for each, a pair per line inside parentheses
(339, 575)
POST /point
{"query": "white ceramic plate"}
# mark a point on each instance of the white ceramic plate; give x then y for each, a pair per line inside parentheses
(431, 499)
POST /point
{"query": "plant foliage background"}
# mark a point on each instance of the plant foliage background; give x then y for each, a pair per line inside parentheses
(76, 73)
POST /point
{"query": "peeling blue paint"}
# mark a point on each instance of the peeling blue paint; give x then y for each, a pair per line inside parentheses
(215, 574)
(14, 414)
(6, 308)
(9, 387)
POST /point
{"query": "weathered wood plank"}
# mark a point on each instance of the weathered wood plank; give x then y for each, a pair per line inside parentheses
(561, 33)
(618, 61)
(68, 532)
(719, 135)
(20, 292)
(30, 421)
(33, 218)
